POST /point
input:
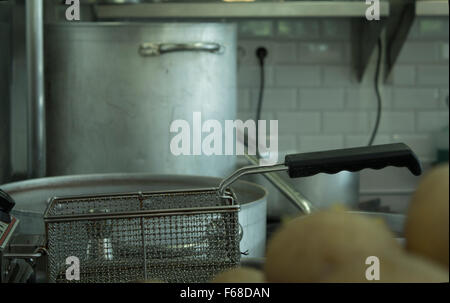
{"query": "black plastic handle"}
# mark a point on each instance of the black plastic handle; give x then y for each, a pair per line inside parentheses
(353, 159)
(6, 205)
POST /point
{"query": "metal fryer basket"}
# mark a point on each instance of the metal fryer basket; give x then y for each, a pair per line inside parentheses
(176, 236)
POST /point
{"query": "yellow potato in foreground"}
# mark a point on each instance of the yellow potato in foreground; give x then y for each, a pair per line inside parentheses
(308, 248)
(427, 226)
(400, 268)
(240, 275)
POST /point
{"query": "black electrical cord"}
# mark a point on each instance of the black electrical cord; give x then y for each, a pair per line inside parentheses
(261, 53)
(377, 92)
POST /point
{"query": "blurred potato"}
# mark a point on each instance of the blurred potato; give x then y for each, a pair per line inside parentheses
(308, 248)
(240, 275)
(427, 227)
(399, 268)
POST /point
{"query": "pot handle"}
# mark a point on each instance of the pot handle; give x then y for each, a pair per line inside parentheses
(155, 49)
(353, 159)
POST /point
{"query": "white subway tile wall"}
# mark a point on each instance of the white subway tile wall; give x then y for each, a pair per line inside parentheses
(313, 91)
(311, 88)
(297, 75)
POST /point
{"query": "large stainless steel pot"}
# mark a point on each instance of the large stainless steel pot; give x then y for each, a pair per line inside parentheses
(4, 90)
(31, 199)
(113, 90)
(286, 196)
(322, 191)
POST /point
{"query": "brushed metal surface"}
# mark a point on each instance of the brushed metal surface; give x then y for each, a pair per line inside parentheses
(321, 190)
(109, 108)
(324, 190)
(263, 9)
(34, 25)
(432, 8)
(5, 68)
(32, 196)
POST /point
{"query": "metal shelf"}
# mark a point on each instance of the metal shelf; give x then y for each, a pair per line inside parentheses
(432, 8)
(239, 10)
(397, 18)
(364, 38)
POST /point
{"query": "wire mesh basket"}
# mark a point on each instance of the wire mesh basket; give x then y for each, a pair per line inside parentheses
(176, 236)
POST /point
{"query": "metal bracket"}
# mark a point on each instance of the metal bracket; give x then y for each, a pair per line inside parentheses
(365, 35)
(400, 21)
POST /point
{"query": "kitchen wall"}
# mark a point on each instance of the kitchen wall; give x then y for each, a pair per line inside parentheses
(313, 92)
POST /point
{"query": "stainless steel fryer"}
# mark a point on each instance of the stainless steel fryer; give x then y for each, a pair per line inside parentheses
(178, 236)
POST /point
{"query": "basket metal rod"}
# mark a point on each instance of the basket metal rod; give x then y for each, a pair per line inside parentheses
(248, 170)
